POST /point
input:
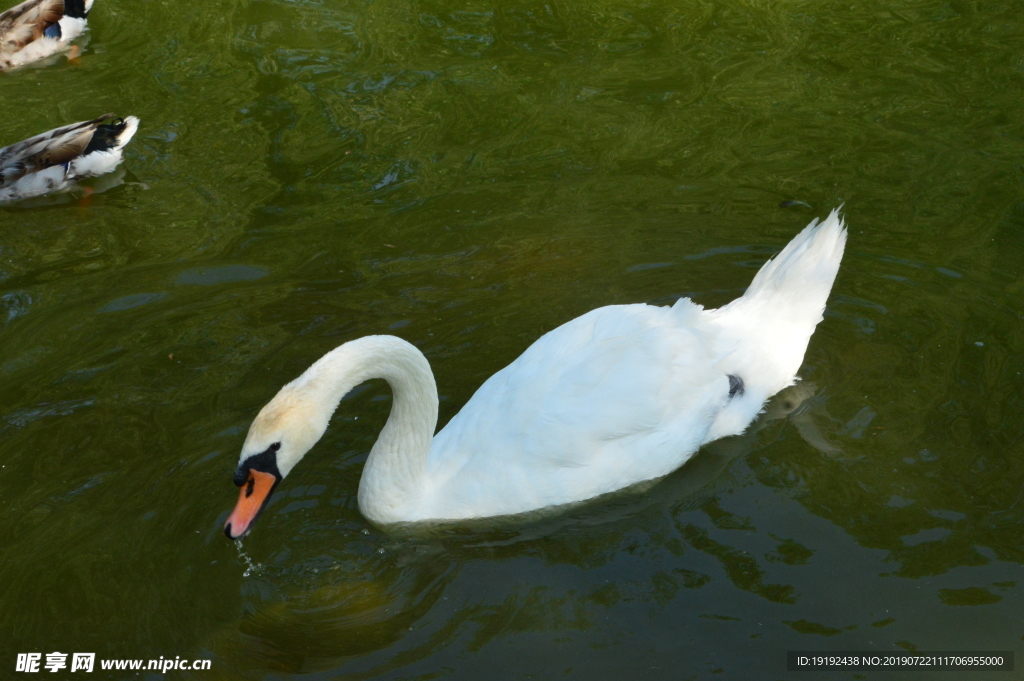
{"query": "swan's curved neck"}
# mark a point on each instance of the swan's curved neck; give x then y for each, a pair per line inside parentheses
(394, 475)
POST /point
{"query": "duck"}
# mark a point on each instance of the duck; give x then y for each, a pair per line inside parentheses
(619, 396)
(36, 29)
(56, 160)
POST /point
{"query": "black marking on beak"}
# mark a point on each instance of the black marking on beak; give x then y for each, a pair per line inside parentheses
(265, 462)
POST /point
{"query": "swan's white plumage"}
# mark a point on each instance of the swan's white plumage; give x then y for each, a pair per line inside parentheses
(617, 396)
(567, 419)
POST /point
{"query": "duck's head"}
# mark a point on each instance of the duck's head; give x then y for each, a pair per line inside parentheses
(284, 430)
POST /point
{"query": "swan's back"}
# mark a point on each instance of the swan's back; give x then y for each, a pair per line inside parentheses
(628, 393)
(622, 394)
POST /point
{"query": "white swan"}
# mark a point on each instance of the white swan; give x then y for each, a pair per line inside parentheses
(620, 395)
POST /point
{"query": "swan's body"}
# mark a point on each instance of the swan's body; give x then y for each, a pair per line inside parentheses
(36, 29)
(620, 395)
(54, 161)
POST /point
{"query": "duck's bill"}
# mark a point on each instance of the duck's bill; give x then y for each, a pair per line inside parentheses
(252, 499)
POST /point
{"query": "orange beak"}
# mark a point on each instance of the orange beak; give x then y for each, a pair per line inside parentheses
(251, 499)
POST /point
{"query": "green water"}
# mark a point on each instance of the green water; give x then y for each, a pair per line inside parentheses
(468, 175)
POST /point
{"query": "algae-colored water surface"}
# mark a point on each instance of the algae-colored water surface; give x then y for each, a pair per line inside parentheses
(468, 175)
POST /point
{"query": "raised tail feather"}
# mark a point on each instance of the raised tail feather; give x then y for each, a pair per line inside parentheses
(806, 268)
(772, 322)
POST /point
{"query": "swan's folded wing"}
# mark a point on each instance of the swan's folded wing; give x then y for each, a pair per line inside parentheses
(619, 395)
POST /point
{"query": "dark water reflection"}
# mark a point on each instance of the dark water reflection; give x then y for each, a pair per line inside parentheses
(469, 176)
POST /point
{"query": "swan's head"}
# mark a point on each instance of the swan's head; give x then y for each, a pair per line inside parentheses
(284, 430)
